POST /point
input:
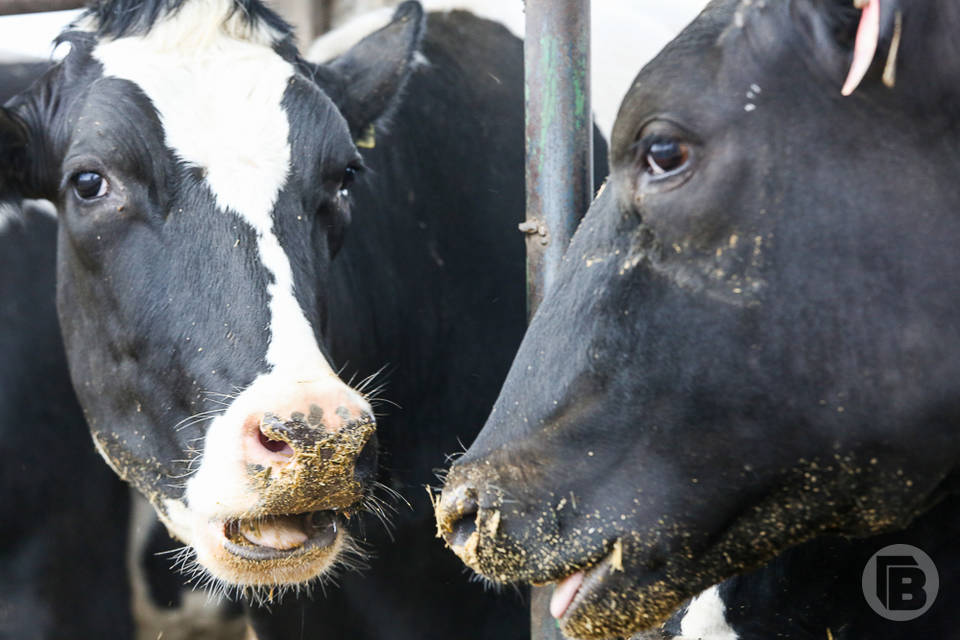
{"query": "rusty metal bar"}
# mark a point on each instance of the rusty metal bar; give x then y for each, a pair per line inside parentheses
(13, 7)
(559, 134)
(559, 143)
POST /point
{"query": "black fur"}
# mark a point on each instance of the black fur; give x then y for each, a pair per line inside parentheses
(64, 513)
(752, 348)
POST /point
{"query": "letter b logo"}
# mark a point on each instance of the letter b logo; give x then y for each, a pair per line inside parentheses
(900, 582)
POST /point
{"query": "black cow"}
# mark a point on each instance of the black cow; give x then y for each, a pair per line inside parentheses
(753, 340)
(63, 513)
(817, 589)
(203, 172)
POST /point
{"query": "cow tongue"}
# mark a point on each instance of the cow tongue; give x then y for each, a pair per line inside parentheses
(276, 532)
(564, 593)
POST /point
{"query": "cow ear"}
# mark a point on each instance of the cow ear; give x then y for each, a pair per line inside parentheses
(367, 81)
(14, 157)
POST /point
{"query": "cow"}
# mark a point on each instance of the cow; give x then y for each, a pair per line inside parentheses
(63, 511)
(205, 176)
(753, 340)
(815, 591)
(68, 525)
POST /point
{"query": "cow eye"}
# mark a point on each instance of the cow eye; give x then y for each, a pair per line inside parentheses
(346, 181)
(89, 185)
(666, 155)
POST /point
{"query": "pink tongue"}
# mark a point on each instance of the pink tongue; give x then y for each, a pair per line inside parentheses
(283, 533)
(865, 46)
(564, 593)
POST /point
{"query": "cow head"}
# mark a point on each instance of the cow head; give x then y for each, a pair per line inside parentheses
(753, 338)
(202, 174)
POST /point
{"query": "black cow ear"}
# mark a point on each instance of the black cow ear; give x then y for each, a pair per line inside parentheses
(369, 78)
(14, 157)
(834, 22)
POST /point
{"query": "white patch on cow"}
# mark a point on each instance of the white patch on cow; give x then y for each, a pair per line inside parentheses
(17, 212)
(705, 619)
(217, 91)
(9, 213)
(200, 615)
(41, 206)
(218, 86)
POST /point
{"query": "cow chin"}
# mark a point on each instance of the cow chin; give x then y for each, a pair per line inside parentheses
(602, 588)
(613, 577)
(267, 551)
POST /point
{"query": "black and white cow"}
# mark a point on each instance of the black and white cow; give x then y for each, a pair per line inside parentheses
(753, 340)
(203, 174)
(67, 522)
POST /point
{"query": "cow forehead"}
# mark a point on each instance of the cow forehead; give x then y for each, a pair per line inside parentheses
(218, 93)
(218, 87)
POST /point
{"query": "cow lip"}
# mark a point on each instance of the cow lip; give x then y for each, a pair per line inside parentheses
(320, 530)
(592, 581)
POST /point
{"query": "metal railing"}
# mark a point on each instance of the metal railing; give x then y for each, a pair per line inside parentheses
(559, 166)
(13, 7)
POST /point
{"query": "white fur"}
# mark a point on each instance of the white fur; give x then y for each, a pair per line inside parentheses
(200, 615)
(624, 37)
(42, 206)
(8, 215)
(217, 87)
(705, 619)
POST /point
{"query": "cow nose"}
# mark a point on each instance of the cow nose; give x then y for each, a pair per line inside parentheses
(366, 468)
(296, 424)
(457, 514)
(273, 425)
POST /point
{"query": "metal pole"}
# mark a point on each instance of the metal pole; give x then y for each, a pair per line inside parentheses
(559, 134)
(559, 143)
(12, 7)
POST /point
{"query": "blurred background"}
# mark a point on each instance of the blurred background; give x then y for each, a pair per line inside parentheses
(625, 33)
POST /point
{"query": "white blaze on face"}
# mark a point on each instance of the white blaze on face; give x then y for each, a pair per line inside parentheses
(705, 618)
(218, 86)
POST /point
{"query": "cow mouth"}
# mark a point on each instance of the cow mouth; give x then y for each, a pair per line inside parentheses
(577, 588)
(281, 536)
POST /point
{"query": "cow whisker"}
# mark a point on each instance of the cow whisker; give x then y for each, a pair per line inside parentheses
(392, 493)
(202, 416)
(366, 382)
(353, 557)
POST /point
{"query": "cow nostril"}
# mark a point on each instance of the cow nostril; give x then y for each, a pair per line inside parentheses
(466, 524)
(463, 529)
(275, 446)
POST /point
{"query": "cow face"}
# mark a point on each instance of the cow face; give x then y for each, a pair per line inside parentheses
(202, 173)
(753, 338)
